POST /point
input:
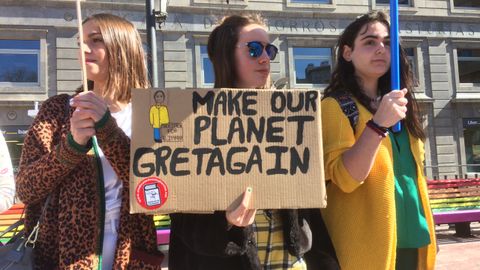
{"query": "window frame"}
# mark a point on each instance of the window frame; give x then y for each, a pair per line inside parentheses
(27, 52)
(410, 3)
(27, 91)
(412, 8)
(317, 6)
(204, 56)
(471, 112)
(231, 3)
(200, 40)
(418, 59)
(471, 88)
(470, 59)
(414, 66)
(463, 10)
(307, 57)
(317, 42)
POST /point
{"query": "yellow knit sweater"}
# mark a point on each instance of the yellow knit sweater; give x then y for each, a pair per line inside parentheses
(361, 217)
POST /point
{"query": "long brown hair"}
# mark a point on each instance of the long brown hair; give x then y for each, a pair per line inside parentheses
(126, 58)
(221, 47)
(342, 79)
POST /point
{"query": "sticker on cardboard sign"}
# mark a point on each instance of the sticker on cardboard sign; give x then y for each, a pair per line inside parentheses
(151, 193)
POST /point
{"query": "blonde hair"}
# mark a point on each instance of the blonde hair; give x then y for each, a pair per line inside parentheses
(126, 58)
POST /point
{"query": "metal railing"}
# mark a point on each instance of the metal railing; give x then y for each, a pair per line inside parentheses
(463, 171)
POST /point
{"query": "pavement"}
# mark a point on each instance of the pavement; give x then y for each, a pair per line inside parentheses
(456, 253)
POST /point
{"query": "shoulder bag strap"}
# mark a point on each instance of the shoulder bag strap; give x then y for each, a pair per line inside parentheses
(348, 106)
(32, 237)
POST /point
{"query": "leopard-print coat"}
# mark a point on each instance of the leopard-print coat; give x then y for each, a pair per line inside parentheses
(69, 235)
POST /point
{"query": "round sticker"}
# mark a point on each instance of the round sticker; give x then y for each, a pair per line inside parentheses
(151, 193)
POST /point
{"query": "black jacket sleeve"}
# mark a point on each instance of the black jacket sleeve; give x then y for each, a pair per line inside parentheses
(322, 254)
(209, 235)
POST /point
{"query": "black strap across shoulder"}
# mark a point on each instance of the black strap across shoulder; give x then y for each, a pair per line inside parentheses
(348, 106)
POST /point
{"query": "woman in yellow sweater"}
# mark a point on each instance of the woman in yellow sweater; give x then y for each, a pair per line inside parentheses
(378, 213)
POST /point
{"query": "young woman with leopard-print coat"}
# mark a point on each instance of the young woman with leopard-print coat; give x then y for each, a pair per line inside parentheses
(86, 223)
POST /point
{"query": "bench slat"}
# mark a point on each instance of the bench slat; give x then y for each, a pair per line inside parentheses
(161, 221)
(163, 237)
(456, 216)
(453, 195)
(455, 200)
(455, 190)
(457, 206)
(451, 181)
(13, 212)
(435, 187)
(451, 209)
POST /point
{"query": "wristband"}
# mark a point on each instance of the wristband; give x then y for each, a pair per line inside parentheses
(78, 147)
(384, 129)
(103, 121)
(383, 132)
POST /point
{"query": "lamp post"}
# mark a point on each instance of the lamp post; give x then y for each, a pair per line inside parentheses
(156, 12)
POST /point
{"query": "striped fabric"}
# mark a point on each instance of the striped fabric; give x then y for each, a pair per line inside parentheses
(271, 249)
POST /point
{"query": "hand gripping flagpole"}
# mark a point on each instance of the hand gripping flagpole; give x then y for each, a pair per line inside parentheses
(84, 70)
(395, 53)
(82, 51)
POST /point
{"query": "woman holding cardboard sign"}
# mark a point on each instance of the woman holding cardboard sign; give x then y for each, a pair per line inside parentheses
(378, 213)
(243, 238)
(86, 223)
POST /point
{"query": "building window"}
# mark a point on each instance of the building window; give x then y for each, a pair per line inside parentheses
(312, 65)
(219, 2)
(311, 1)
(208, 76)
(471, 135)
(315, 4)
(468, 65)
(466, 3)
(413, 64)
(400, 2)
(19, 62)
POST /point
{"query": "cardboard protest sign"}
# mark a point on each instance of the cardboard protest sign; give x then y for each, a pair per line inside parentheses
(197, 150)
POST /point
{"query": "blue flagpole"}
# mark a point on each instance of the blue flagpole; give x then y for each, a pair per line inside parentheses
(394, 53)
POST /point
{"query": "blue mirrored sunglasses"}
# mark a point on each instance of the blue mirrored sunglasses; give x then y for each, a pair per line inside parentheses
(255, 49)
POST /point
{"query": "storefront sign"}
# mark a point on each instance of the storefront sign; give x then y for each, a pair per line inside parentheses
(322, 26)
(471, 122)
(13, 132)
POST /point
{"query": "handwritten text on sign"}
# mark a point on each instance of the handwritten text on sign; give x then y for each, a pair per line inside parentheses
(231, 137)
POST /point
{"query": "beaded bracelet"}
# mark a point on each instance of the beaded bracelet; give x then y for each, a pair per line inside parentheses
(383, 132)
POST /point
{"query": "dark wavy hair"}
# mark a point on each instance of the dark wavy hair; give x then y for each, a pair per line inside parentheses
(344, 80)
(222, 44)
